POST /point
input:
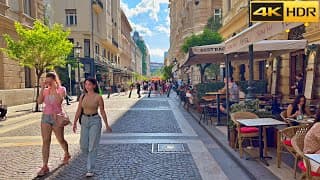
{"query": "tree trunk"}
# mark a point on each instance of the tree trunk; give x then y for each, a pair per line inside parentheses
(38, 73)
(37, 96)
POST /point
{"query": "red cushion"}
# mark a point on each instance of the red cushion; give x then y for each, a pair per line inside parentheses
(304, 169)
(287, 142)
(249, 130)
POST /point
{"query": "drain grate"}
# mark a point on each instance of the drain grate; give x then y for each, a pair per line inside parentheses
(168, 148)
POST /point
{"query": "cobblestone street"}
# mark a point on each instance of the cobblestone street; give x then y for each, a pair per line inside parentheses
(153, 138)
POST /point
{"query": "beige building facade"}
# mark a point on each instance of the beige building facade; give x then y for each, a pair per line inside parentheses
(279, 72)
(96, 26)
(187, 18)
(17, 83)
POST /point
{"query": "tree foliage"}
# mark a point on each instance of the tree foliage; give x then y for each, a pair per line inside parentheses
(166, 72)
(41, 47)
(205, 38)
(143, 48)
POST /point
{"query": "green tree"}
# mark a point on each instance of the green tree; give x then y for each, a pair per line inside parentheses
(166, 72)
(207, 37)
(41, 48)
(143, 48)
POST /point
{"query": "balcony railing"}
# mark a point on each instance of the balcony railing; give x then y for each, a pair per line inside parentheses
(97, 5)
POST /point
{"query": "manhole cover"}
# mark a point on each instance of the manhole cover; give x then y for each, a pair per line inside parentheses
(168, 148)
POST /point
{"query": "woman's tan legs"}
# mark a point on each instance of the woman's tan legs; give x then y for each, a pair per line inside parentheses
(46, 131)
(59, 133)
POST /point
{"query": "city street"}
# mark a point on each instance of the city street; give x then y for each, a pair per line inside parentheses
(153, 138)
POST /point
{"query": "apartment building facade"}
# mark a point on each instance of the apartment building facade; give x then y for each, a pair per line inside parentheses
(187, 18)
(16, 82)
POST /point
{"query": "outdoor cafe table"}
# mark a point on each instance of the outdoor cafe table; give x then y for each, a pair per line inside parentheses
(217, 94)
(307, 120)
(314, 157)
(261, 122)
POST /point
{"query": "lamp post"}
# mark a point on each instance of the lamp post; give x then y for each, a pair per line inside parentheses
(77, 50)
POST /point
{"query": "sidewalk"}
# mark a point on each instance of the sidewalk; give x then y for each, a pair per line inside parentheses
(254, 168)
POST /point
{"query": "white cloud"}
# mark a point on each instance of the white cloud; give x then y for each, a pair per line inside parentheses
(143, 31)
(145, 6)
(163, 29)
(157, 52)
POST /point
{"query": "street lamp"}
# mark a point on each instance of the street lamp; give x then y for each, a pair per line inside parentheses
(77, 50)
(175, 61)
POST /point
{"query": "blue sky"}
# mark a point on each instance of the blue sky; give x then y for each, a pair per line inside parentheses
(151, 19)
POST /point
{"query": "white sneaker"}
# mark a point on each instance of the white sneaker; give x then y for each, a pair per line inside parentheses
(89, 174)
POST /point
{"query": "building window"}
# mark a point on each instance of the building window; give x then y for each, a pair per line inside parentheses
(109, 56)
(104, 53)
(27, 7)
(97, 49)
(262, 70)
(86, 47)
(217, 14)
(71, 17)
(242, 70)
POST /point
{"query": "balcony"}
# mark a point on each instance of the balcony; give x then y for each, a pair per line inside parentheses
(97, 6)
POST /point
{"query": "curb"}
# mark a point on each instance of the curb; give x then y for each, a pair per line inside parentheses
(221, 141)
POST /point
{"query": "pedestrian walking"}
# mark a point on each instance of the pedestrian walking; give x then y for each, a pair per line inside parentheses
(52, 95)
(90, 122)
(131, 88)
(169, 89)
(150, 86)
(3, 111)
(138, 89)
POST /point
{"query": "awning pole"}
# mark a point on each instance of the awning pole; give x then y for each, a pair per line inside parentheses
(251, 55)
(227, 93)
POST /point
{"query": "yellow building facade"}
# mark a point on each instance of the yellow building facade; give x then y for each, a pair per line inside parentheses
(279, 72)
(187, 18)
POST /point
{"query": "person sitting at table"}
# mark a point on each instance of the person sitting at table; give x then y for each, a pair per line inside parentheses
(234, 92)
(312, 145)
(298, 107)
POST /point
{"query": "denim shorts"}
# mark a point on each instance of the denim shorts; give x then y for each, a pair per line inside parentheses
(48, 119)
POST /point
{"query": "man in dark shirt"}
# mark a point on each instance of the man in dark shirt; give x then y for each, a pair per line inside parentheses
(299, 84)
(138, 89)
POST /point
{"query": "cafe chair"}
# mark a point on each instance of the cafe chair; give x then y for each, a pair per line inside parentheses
(304, 165)
(284, 144)
(284, 117)
(246, 132)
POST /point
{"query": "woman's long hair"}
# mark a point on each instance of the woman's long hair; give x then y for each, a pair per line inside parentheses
(55, 77)
(94, 82)
(297, 101)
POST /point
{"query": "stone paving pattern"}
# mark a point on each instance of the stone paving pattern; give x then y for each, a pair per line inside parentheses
(144, 121)
(133, 161)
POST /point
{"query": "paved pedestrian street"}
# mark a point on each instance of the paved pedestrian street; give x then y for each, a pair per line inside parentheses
(153, 138)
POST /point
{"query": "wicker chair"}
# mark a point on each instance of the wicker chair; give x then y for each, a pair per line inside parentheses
(284, 117)
(284, 144)
(298, 144)
(246, 132)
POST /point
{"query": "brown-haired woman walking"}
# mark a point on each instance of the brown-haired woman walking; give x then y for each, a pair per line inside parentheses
(91, 125)
(52, 95)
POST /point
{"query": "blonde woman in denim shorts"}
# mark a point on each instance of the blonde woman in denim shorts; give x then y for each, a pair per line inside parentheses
(52, 95)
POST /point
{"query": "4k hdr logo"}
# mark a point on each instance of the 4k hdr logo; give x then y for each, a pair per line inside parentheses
(284, 11)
